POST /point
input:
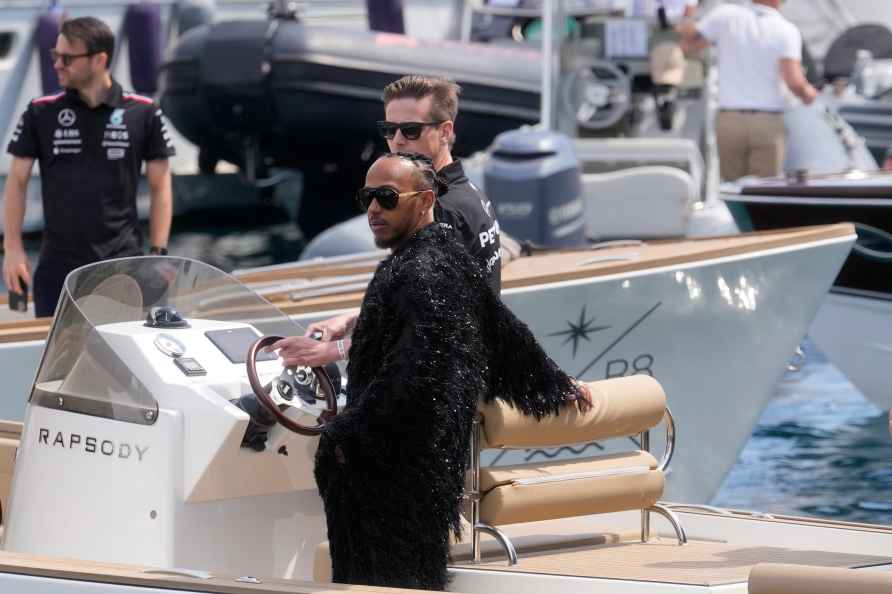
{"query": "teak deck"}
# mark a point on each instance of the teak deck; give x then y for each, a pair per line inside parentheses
(696, 563)
(130, 575)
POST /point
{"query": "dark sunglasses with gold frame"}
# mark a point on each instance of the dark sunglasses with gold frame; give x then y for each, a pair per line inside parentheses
(387, 198)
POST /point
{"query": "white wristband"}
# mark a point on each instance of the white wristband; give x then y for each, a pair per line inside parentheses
(341, 350)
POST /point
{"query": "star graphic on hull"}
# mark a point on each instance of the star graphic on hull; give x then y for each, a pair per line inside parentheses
(579, 331)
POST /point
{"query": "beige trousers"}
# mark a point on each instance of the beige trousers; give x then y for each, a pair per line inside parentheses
(750, 143)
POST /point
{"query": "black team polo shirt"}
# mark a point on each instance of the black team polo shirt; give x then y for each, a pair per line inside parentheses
(90, 161)
(471, 215)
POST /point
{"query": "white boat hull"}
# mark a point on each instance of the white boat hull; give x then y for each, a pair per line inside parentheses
(856, 334)
(717, 335)
(741, 541)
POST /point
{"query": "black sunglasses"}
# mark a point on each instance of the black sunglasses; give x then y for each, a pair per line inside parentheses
(67, 59)
(410, 130)
(388, 198)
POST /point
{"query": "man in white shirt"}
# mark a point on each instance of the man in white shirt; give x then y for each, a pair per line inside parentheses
(759, 53)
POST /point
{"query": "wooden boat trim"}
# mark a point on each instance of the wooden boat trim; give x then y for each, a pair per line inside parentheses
(560, 266)
(541, 269)
(131, 575)
(10, 430)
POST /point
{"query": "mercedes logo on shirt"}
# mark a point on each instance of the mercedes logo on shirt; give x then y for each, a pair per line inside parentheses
(67, 117)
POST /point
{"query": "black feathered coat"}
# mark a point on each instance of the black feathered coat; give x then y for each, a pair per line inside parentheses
(431, 340)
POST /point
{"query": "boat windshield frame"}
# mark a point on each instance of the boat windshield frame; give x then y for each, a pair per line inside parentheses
(81, 372)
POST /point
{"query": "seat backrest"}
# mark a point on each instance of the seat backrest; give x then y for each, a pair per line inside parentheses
(597, 155)
(640, 202)
(557, 489)
(620, 407)
(781, 578)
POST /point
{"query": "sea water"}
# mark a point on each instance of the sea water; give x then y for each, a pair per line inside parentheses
(819, 449)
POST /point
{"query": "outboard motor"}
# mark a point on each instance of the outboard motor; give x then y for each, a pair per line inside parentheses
(533, 178)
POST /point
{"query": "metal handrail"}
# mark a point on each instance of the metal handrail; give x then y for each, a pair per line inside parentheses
(670, 441)
(668, 452)
(667, 513)
(500, 536)
(699, 507)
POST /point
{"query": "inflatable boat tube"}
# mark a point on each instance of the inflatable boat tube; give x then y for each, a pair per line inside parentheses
(299, 94)
(142, 26)
(48, 25)
(194, 13)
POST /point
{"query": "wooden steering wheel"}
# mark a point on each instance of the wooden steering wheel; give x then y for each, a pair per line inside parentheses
(266, 399)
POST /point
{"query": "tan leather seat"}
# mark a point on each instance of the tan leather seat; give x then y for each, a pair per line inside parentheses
(621, 407)
(535, 492)
(779, 578)
(513, 494)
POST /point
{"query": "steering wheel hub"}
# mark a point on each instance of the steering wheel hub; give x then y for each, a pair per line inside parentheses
(287, 386)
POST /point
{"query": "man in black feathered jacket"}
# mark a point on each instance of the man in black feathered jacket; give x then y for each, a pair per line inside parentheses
(431, 341)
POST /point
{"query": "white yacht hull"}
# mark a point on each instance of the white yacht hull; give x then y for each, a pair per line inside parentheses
(856, 334)
(716, 334)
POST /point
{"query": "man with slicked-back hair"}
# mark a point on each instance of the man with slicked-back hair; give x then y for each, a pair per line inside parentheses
(419, 117)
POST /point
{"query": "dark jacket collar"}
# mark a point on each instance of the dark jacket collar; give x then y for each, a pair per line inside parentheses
(114, 98)
(453, 173)
(433, 231)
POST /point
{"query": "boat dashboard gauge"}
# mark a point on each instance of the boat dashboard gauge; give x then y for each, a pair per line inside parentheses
(170, 346)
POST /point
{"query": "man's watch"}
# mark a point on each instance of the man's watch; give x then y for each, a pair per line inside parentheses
(157, 250)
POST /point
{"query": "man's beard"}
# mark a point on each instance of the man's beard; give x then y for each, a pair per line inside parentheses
(386, 242)
(80, 83)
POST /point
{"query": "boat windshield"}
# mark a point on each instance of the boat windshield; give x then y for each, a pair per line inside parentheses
(83, 370)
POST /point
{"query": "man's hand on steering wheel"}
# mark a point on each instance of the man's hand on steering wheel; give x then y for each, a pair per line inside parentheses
(286, 392)
(334, 328)
(301, 351)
